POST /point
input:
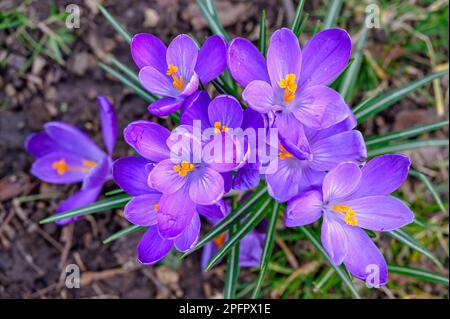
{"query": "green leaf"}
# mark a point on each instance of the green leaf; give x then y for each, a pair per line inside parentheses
(410, 241)
(430, 187)
(333, 13)
(418, 273)
(263, 33)
(267, 249)
(314, 240)
(114, 192)
(115, 24)
(248, 225)
(403, 134)
(124, 232)
(296, 22)
(232, 271)
(366, 110)
(132, 75)
(401, 147)
(99, 206)
(230, 219)
(211, 18)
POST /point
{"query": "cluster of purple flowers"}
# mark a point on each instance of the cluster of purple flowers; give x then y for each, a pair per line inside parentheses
(317, 164)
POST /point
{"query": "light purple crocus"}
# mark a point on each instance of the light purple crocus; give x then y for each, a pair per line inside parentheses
(131, 174)
(352, 199)
(292, 82)
(174, 72)
(65, 155)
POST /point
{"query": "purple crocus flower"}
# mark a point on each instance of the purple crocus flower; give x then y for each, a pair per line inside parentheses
(292, 82)
(65, 155)
(131, 174)
(353, 199)
(175, 72)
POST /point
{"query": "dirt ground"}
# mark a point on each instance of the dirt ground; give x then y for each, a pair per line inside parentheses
(33, 257)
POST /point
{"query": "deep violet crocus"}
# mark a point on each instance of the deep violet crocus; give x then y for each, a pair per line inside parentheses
(352, 199)
(65, 155)
(174, 72)
(131, 174)
(292, 82)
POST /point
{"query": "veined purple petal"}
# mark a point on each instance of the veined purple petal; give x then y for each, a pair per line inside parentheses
(175, 213)
(226, 110)
(149, 139)
(303, 209)
(98, 174)
(212, 212)
(78, 199)
(212, 59)
(348, 124)
(292, 135)
(246, 177)
(380, 213)
(148, 50)
(206, 186)
(334, 239)
(182, 53)
(142, 209)
(227, 181)
(40, 144)
(325, 57)
(165, 106)
(224, 153)
(131, 174)
(109, 123)
(157, 82)
(208, 252)
(284, 183)
(165, 179)
(152, 247)
(283, 56)
(60, 168)
(196, 108)
(191, 86)
(364, 260)
(311, 179)
(245, 62)
(187, 240)
(382, 175)
(259, 96)
(341, 181)
(250, 249)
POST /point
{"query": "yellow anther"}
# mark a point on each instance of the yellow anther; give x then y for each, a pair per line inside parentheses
(218, 127)
(290, 87)
(220, 240)
(61, 166)
(156, 207)
(184, 168)
(178, 82)
(348, 213)
(283, 153)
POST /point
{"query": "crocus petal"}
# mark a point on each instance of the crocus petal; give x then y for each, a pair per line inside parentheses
(131, 174)
(284, 183)
(165, 179)
(292, 135)
(334, 240)
(250, 249)
(175, 213)
(380, 213)
(341, 181)
(157, 82)
(208, 251)
(343, 147)
(364, 260)
(348, 124)
(78, 199)
(213, 212)
(224, 152)
(141, 210)
(325, 57)
(40, 144)
(99, 174)
(227, 181)
(246, 177)
(72, 140)
(165, 106)
(191, 86)
(152, 248)
(303, 209)
(148, 139)
(283, 56)
(226, 110)
(109, 123)
(182, 53)
(206, 186)
(46, 168)
(245, 62)
(148, 50)
(382, 175)
(259, 96)
(190, 236)
(196, 109)
(320, 107)
(212, 59)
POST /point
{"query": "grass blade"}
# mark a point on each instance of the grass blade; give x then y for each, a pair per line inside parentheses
(418, 273)
(314, 240)
(403, 134)
(296, 22)
(248, 225)
(121, 233)
(401, 147)
(212, 19)
(115, 24)
(405, 238)
(263, 33)
(430, 187)
(99, 206)
(333, 13)
(366, 110)
(267, 249)
(125, 69)
(114, 192)
(232, 272)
